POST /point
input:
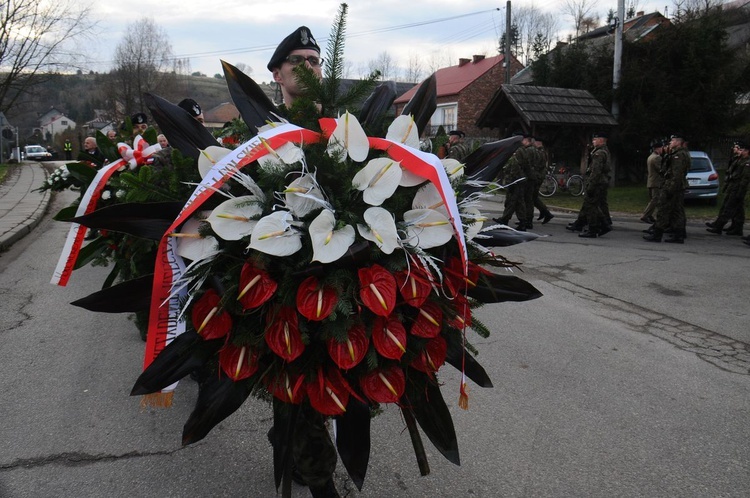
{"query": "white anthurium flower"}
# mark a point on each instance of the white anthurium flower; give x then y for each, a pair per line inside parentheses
(191, 245)
(455, 169)
(328, 243)
(473, 221)
(349, 138)
(275, 235)
(378, 180)
(210, 156)
(235, 218)
(288, 153)
(380, 228)
(428, 197)
(409, 179)
(427, 228)
(303, 195)
(404, 131)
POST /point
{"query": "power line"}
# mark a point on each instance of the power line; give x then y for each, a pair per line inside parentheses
(263, 48)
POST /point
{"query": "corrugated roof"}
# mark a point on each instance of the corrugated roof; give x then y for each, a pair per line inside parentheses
(540, 105)
(451, 80)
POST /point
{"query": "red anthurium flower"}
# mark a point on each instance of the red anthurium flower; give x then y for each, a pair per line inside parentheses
(349, 353)
(238, 362)
(389, 337)
(455, 278)
(209, 319)
(414, 286)
(315, 302)
(432, 356)
(377, 289)
(429, 321)
(282, 333)
(462, 316)
(256, 287)
(329, 394)
(384, 385)
(287, 388)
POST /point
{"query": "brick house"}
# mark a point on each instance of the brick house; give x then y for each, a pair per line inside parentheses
(463, 92)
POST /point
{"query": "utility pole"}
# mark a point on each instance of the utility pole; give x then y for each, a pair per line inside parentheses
(617, 71)
(507, 43)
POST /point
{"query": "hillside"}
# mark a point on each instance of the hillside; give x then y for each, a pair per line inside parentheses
(77, 96)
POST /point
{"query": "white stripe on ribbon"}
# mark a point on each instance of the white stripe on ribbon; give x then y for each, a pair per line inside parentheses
(77, 233)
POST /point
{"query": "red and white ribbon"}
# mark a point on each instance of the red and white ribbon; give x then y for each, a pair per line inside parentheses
(139, 154)
(77, 233)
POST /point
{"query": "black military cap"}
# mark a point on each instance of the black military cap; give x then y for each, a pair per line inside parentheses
(657, 142)
(139, 118)
(458, 133)
(600, 134)
(191, 106)
(741, 144)
(301, 38)
(679, 136)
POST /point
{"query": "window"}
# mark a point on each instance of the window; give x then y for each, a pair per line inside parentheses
(64, 123)
(449, 117)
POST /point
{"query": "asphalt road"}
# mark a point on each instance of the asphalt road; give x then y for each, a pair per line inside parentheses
(630, 377)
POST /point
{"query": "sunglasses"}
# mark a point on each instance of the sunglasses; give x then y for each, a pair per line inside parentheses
(296, 60)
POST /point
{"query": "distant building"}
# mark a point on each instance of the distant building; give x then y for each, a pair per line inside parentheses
(101, 122)
(463, 91)
(53, 122)
(215, 117)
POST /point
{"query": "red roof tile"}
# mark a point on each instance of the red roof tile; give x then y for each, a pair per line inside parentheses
(451, 80)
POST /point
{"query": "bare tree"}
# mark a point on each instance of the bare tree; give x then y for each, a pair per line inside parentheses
(384, 63)
(245, 68)
(142, 62)
(536, 31)
(414, 69)
(439, 59)
(579, 11)
(35, 41)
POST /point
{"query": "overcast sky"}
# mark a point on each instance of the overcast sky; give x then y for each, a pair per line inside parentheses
(247, 31)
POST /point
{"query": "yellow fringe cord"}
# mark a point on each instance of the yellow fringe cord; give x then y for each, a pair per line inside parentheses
(463, 398)
(157, 400)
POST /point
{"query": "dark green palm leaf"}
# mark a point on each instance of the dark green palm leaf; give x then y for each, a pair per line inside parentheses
(353, 439)
(464, 361)
(494, 288)
(126, 297)
(218, 397)
(423, 104)
(183, 132)
(251, 101)
(187, 352)
(147, 220)
(424, 399)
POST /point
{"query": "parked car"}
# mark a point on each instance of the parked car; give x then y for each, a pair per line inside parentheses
(703, 180)
(36, 153)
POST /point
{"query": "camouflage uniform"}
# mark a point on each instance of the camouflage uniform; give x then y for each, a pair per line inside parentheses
(514, 194)
(595, 190)
(459, 151)
(541, 162)
(733, 206)
(670, 210)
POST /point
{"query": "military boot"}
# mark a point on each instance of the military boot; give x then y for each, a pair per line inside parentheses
(678, 237)
(545, 217)
(654, 236)
(574, 227)
(734, 230)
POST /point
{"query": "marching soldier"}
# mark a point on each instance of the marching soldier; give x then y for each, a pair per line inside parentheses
(455, 146)
(541, 163)
(670, 210)
(733, 206)
(595, 191)
(515, 175)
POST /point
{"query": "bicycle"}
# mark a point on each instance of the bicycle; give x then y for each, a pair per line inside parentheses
(562, 179)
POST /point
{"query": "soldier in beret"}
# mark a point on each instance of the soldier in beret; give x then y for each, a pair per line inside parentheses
(192, 108)
(140, 123)
(455, 146)
(298, 48)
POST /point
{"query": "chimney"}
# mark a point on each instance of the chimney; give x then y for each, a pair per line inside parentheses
(477, 58)
(462, 62)
(639, 13)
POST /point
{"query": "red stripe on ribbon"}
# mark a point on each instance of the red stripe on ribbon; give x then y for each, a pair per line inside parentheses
(77, 233)
(163, 322)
